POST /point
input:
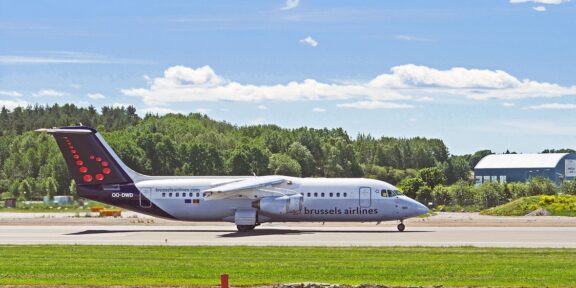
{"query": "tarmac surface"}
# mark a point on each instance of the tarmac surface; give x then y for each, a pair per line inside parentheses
(292, 235)
(443, 229)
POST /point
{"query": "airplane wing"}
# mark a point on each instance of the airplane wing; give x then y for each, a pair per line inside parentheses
(250, 188)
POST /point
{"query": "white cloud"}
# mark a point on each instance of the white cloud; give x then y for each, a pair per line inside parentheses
(10, 93)
(309, 41)
(371, 105)
(49, 93)
(202, 110)
(405, 82)
(553, 106)
(291, 4)
(532, 127)
(551, 2)
(262, 107)
(95, 96)
(121, 105)
(508, 104)
(318, 110)
(159, 110)
(412, 38)
(65, 57)
(11, 104)
(539, 8)
(424, 99)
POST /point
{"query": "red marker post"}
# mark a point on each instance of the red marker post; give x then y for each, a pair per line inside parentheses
(224, 281)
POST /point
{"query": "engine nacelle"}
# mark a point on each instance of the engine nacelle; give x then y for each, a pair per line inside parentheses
(281, 205)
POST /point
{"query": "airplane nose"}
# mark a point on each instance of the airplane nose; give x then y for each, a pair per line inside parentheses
(422, 209)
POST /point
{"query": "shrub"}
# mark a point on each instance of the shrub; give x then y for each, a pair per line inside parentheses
(463, 193)
(568, 187)
(442, 195)
(491, 194)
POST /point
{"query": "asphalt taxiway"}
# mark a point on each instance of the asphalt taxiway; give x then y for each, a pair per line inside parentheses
(292, 235)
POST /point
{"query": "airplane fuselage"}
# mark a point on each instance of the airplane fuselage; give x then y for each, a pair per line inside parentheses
(324, 200)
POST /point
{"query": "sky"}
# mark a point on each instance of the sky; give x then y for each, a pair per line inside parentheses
(479, 74)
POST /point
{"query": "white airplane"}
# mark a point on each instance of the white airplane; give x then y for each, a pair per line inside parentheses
(247, 201)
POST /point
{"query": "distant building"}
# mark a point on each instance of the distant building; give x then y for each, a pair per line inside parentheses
(504, 168)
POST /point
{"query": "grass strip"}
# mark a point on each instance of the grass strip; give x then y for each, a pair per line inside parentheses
(202, 265)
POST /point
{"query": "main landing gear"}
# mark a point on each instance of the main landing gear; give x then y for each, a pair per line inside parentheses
(245, 228)
(401, 226)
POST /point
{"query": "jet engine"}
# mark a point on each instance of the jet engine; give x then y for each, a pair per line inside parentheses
(280, 205)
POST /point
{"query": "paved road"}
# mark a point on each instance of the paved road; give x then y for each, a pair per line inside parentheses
(292, 234)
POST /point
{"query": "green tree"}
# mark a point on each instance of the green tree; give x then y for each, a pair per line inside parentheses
(442, 195)
(51, 187)
(304, 158)
(411, 185)
(424, 195)
(282, 164)
(568, 187)
(491, 194)
(432, 176)
(464, 194)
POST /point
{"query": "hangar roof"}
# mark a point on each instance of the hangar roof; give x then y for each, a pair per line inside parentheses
(504, 161)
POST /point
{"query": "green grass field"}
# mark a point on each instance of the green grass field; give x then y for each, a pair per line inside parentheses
(157, 265)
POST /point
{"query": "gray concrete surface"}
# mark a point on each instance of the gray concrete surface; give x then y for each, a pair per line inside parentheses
(293, 235)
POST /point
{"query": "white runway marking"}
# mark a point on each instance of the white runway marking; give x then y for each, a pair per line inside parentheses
(292, 235)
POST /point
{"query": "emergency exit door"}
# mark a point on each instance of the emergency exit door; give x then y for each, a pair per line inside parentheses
(365, 197)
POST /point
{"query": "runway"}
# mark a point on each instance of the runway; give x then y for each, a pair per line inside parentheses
(292, 235)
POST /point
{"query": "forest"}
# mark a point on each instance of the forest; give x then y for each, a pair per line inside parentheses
(31, 165)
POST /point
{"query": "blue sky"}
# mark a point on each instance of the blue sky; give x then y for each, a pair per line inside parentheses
(478, 74)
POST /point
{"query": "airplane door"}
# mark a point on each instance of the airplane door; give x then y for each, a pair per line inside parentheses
(365, 197)
(145, 196)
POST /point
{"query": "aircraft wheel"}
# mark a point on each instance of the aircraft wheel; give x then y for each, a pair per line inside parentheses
(245, 228)
(401, 227)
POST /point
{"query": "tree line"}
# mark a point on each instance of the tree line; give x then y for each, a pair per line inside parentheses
(31, 165)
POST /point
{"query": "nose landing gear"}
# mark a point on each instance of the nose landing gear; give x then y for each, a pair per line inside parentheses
(401, 226)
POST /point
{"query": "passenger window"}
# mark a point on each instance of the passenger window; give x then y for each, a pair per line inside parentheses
(170, 195)
(197, 194)
(331, 194)
(338, 194)
(177, 194)
(345, 194)
(315, 194)
(191, 194)
(322, 194)
(308, 195)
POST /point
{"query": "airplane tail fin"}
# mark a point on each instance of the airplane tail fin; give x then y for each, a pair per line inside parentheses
(89, 158)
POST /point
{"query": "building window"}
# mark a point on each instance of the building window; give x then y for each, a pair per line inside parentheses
(502, 178)
(478, 180)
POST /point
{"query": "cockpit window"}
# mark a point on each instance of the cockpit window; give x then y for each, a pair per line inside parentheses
(391, 193)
